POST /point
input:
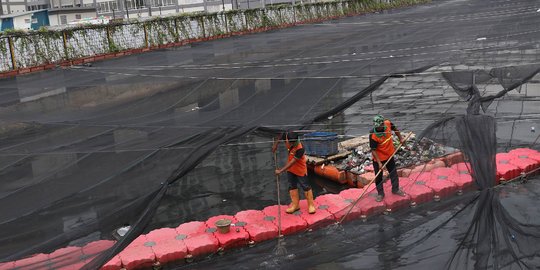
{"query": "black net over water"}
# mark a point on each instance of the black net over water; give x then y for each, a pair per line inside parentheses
(494, 238)
(166, 137)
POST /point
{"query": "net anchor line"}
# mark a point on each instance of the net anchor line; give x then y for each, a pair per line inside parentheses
(352, 205)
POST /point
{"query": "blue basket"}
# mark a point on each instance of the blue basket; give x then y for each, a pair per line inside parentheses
(320, 143)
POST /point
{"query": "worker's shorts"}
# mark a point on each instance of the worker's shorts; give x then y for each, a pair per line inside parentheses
(295, 180)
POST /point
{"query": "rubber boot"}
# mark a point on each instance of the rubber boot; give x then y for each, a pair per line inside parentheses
(311, 204)
(295, 200)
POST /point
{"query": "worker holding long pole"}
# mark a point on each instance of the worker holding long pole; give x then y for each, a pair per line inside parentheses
(382, 148)
(296, 172)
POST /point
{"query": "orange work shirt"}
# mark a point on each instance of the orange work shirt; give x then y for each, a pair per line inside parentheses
(385, 144)
(299, 167)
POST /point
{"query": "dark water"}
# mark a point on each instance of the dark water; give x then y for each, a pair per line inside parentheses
(239, 175)
(420, 238)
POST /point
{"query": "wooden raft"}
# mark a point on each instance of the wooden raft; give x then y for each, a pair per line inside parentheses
(344, 149)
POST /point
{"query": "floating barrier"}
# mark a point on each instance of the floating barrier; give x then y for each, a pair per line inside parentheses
(453, 158)
(360, 180)
(290, 223)
(505, 169)
(319, 219)
(67, 258)
(462, 179)
(368, 206)
(38, 261)
(333, 203)
(462, 167)
(417, 191)
(392, 201)
(442, 187)
(237, 235)
(138, 254)
(198, 238)
(167, 247)
(349, 196)
(259, 226)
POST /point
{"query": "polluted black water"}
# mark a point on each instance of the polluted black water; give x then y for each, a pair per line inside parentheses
(175, 135)
(422, 237)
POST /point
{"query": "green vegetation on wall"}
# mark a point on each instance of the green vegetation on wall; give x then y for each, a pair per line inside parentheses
(52, 46)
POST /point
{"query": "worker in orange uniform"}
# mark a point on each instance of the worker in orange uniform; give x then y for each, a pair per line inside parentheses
(296, 172)
(382, 148)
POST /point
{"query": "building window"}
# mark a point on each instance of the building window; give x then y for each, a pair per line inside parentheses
(161, 3)
(103, 7)
(63, 19)
(78, 16)
(135, 4)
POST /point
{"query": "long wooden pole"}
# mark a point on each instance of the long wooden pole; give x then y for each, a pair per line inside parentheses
(278, 194)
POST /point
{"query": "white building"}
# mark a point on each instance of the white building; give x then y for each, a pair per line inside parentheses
(62, 12)
(148, 8)
(12, 6)
(67, 15)
(21, 20)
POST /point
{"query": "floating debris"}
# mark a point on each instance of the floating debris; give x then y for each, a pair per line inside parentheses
(410, 154)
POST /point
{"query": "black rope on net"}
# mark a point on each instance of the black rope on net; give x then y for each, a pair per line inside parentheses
(196, 156)
(199, 154)
(364, 92)
(477, 140)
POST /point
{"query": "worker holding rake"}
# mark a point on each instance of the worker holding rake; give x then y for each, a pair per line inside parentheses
(382, 148)
(296, 172)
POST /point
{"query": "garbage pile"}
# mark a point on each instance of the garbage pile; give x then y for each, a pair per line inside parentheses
(412, 153)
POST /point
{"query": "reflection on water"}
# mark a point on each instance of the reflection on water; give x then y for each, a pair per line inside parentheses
(124, 126)
(396, 241)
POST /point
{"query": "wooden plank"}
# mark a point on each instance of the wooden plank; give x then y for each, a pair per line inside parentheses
(344, 150)
(354, 142)
(319, 160)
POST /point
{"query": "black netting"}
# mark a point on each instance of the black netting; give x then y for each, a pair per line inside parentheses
(171, 136)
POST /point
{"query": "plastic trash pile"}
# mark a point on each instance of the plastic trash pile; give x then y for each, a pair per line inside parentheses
(410, 154)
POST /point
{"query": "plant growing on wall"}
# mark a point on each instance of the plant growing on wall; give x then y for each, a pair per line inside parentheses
(3, 45)
(160, 31)
(253, 18)
(235, 20)
(5, 54)
(49, 46)
(214, 25)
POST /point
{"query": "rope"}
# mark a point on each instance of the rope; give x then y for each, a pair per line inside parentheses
(520, 177)
(372, 180)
